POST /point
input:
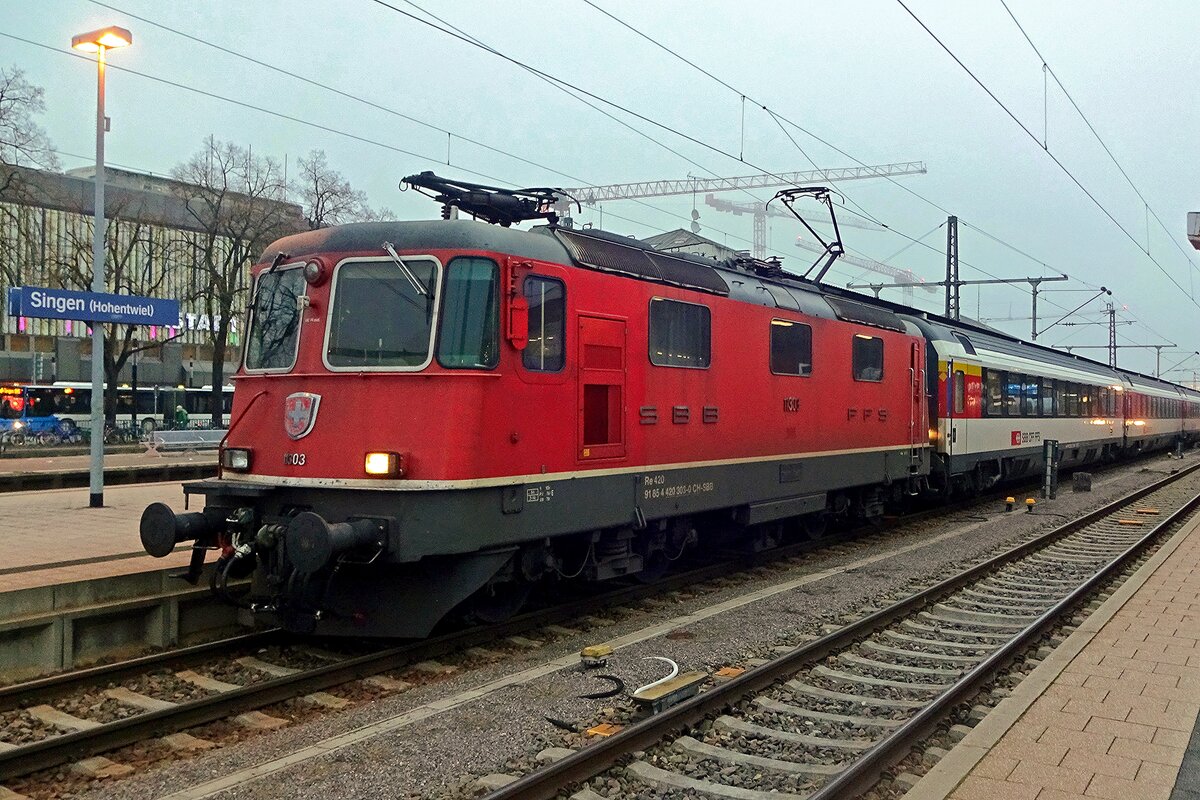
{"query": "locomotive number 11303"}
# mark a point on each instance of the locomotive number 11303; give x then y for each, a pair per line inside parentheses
(294, 459)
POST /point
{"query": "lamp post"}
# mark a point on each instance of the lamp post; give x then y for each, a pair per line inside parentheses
(99, 42)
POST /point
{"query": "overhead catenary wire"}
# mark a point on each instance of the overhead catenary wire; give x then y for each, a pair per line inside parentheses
(1050, 70)
(460, 35)
(335, 131)
(781, 119)
(1058, 162)
(332, 130)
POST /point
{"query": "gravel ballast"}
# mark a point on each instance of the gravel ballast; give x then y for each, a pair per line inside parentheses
(443, 754)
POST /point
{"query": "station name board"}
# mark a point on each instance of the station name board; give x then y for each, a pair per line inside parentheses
(33, 301)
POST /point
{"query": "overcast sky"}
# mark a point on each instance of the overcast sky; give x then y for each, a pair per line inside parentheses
(863, 76)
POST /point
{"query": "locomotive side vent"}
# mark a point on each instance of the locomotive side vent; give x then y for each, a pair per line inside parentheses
(611, 256)
(865, 315)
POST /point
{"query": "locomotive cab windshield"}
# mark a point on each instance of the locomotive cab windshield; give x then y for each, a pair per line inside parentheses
(275, 320)
(378, 318)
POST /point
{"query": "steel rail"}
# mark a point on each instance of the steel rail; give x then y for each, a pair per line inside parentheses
(593, 759)
(14, 694)
(865, 771)
(60, 749)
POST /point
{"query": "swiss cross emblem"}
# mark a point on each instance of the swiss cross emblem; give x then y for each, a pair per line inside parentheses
(1016, 436)
(300, 413)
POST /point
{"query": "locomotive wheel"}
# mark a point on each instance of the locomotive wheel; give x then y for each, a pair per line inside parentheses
(498, 603)
(815, 525)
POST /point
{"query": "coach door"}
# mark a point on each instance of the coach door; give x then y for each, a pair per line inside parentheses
(918, 423)
(601, 388)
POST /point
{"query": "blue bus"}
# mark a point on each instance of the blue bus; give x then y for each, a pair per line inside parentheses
(65, 407)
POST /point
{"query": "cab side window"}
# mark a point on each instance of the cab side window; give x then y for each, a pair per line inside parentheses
(470, 315)
(680, 334)
(791, 348)
(867, 358)
(547, 324)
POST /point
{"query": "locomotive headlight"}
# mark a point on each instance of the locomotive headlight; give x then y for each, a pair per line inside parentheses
(384, 464)
(314, 273)
(235, 458)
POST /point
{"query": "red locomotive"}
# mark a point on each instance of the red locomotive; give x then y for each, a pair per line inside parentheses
(441, 414)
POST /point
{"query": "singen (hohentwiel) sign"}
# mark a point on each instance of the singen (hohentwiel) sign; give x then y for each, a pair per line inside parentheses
(126, 309)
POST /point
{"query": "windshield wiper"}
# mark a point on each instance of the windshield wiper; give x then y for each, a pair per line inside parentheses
(418, 287)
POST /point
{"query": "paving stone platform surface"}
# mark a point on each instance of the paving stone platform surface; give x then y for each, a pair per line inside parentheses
(1112, 713)
(42, 532)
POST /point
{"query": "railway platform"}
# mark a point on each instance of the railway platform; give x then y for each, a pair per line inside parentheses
(1110, 713)
(55, 472)
(52, 537)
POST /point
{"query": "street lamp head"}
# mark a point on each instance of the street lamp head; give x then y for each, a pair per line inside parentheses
(107, 38)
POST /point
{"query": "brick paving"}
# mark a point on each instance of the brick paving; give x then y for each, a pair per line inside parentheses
(1117, 720)
(48, 527)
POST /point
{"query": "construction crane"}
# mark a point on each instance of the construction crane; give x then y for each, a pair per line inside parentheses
(591, 195)
(898, 275)
(761, 211)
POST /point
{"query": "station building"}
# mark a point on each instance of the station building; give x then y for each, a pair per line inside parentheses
(154, 248)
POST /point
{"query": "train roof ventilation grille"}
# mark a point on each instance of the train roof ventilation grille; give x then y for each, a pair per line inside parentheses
(610, 256)
(866, 315)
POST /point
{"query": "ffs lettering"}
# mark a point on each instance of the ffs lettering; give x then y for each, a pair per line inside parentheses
(867, 414)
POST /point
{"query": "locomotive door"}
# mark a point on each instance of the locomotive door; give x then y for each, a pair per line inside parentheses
(601, 426)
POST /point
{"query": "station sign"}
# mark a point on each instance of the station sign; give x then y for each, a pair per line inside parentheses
(125, 309)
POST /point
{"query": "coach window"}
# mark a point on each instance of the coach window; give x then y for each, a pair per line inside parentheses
(791, 348)
(1046, 399)
(867, 358)
(470, 333)
(1072, 400)
(1029, 396)
(1086, 400)
(547, 324)
(1060, 398)
(960, 391)
(1012, 393)
(679, 334)
(995, 394)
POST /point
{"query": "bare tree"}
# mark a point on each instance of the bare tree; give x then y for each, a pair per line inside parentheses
(327, 197)
(136, 258)
(239, 202)
(23, 143)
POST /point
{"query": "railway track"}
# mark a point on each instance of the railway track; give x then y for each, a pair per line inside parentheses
(826, 719)
(142, 717)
